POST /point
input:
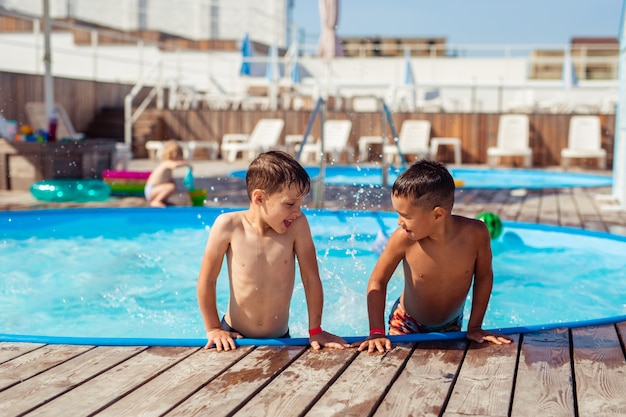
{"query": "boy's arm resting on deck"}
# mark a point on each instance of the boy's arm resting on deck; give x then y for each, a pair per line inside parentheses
(309, 270)
(483, 283)
(215, 250)
(387, 263)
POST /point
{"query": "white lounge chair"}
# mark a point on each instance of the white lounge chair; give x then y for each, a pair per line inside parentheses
(155, 149)
(413, 139)
(264, 137)
(513, 139)
(584, 141)
(336, 136)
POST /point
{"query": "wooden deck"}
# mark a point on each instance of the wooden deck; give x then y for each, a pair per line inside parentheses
(561, 372)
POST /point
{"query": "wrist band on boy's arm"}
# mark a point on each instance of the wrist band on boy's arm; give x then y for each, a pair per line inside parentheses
(315, 331)
(377, 330)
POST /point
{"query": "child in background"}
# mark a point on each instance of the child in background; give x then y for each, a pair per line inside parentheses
(442, 254)
(261, 245)
(160, 185)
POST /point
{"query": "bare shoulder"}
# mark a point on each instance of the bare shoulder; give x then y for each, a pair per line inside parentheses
(228, 221)
(472, 226)
(300, 228)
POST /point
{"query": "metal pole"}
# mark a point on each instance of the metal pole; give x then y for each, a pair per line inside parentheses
(48, 84)
(319, 186)
(383, 128)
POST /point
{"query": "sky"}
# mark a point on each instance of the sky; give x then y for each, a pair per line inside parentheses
(469, 21)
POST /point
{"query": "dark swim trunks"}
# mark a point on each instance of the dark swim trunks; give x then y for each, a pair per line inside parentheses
(401, 322)
(227, 327)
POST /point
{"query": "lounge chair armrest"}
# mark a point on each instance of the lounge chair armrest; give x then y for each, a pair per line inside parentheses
(234, 138)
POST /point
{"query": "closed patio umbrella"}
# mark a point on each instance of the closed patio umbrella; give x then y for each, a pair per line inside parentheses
(408, 69)
(329, 45)
(568, 75)
(246, 52)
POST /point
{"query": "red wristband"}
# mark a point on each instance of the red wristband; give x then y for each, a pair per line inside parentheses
(315, 331)
(377, 330)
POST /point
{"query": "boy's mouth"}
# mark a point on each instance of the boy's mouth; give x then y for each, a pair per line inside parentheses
(287, 223)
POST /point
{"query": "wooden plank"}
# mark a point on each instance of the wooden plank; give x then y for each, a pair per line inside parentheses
(511, 207)
(621, 329)
(10, 350)
(548, 209)
(100, 391)
(600, 370)
(295, 388)
(226, 393)
(361, 386)
(424, 383)
(485, 383)
(544, 376)
(45, 386)
(568, 213)
(174, 385)
(588, 211)
(36, 361)
(529, 210)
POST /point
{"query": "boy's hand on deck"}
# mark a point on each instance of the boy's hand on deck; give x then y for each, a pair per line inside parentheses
(480, 336)
(221, 339)
(325, 339)
(377, 342)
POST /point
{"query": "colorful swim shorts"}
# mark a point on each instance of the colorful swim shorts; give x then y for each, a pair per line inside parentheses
(401, 322)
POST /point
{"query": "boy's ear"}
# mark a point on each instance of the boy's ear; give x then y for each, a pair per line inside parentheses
(439, 212)
(258, 196)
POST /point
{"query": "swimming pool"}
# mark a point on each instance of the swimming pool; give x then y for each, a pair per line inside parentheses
(131, 273)
(471, 178)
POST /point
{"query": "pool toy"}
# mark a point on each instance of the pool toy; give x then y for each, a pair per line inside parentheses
(63, 190)
(459, 183)
(493, 222)
(189, 181)
(126, 183)
(197, 195)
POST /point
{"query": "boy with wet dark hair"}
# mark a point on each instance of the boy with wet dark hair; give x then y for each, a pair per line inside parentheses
(441, 253)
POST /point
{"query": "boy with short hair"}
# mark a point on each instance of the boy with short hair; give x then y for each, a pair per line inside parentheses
(261, 245)
(441, 254)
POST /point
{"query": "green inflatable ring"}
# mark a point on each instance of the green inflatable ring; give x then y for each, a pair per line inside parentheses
(63, 190)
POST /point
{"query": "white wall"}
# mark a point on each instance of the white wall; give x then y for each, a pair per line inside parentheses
(466, 84)
(265, 20)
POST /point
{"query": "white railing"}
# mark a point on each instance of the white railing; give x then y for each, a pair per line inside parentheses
(469, 78)
(130, 116)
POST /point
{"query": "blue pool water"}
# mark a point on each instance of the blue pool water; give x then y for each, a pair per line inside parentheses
(132, 273)
(471, 178)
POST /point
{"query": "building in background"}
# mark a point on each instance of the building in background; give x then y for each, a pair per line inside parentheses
(267, 21)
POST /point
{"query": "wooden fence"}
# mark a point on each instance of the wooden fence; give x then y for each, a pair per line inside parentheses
(84, 99)
(477, 131)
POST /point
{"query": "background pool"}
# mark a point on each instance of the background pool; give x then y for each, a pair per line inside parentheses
(133, 273)
(472, 178)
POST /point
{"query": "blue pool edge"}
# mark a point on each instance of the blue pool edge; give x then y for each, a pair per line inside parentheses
(175, 342)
